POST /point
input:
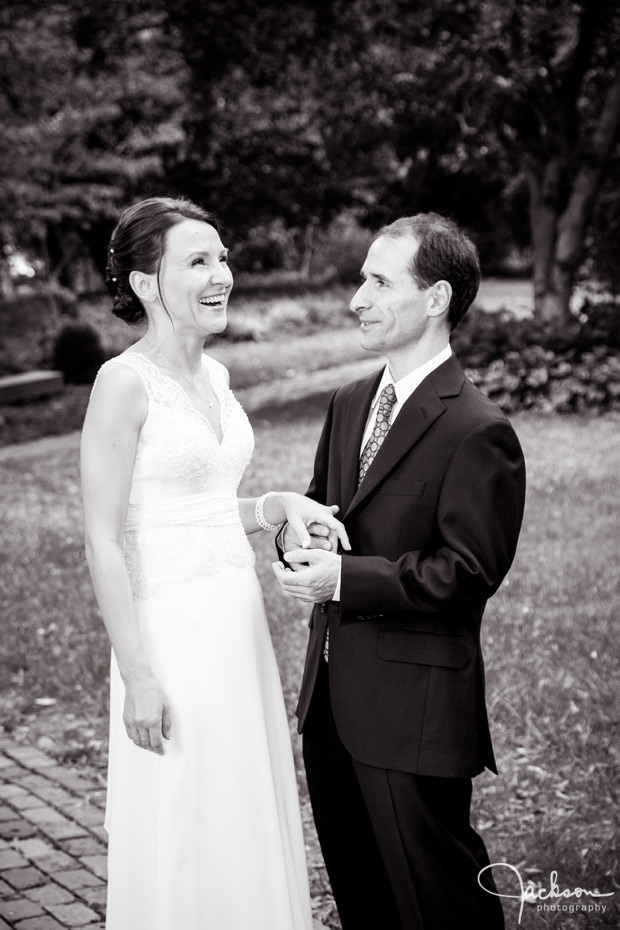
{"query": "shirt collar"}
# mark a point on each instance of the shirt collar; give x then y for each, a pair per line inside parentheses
(407, 385)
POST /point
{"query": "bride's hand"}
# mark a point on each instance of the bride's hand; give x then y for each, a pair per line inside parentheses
(146, 714)
(320, 538)
(302, 512)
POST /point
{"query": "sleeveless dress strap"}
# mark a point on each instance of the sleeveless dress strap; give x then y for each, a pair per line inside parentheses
(217, 372)
(158, 388)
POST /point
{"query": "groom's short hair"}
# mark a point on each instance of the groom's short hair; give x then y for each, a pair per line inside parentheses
(445, 253)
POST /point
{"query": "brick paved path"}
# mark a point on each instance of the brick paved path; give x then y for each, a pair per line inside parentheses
(52, 844)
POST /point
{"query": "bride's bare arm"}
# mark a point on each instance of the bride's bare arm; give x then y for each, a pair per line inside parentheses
(298, 511)
(115, 416)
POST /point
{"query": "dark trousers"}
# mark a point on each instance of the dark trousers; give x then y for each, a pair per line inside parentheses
(399, 849)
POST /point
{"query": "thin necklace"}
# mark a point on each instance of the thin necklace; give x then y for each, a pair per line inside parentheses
(181, 375)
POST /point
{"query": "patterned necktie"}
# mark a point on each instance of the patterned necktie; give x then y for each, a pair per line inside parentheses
(387, 399)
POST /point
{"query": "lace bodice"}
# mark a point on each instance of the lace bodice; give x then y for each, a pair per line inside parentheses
(183, 518)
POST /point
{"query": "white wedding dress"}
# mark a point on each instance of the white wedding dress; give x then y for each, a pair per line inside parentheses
(208, 836)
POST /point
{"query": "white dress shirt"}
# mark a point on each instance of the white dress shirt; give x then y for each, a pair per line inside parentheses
(403, 389)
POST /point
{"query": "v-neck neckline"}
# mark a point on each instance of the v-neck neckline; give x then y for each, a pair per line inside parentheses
(188, 401)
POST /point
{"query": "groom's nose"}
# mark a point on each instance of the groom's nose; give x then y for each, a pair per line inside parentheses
(361, 298)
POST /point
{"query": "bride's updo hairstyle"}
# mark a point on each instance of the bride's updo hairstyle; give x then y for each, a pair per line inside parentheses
(138, 244)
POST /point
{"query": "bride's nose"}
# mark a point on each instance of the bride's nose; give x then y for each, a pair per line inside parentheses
(222, 275)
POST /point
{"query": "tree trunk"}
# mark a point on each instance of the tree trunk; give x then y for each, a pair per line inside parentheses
(63, 249)
(558, 236)
(555, 304)
(307, 249)
(544, 183)
(7, 287)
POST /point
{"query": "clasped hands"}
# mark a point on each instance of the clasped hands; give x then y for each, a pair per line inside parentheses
(312, 555)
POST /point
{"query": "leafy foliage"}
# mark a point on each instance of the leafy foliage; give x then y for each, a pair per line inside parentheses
(90, 100)
(531, 365)
(502, 114)
(282, 117)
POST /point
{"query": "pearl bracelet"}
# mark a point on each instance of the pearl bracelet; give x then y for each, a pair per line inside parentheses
(259, 512)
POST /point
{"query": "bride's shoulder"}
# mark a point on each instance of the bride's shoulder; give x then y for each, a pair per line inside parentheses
(118, 403)
(120, 377)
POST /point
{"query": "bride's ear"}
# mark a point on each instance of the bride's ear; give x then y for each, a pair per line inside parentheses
(144, 286)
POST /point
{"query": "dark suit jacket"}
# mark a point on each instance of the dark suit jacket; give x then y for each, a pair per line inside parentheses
(434, 529)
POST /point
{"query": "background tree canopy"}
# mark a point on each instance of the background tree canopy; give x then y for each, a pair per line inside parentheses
(282, 117)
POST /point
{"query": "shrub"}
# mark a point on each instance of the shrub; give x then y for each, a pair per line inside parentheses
(78, 353)
(21, 353)
(527, 364)
(340, 250)
(29, 322)
(267, 246)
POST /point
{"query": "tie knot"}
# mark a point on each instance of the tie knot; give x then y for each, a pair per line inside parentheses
(387, 398)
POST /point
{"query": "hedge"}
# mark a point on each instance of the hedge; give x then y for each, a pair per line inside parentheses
(523, 364)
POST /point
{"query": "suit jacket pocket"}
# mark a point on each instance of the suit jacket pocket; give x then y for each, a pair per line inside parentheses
(423, 648)
(402, 487)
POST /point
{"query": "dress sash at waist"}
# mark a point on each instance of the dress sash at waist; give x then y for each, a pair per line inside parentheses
(219, 508)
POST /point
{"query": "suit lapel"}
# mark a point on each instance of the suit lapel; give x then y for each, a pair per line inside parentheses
(418, 413)
(356, 417)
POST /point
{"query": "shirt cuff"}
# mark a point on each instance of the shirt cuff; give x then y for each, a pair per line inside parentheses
(279, 538)
(336, 594)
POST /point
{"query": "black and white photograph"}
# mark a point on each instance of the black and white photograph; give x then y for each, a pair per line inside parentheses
(309, 457)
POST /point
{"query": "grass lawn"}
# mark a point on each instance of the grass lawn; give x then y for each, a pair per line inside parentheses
(550, 645)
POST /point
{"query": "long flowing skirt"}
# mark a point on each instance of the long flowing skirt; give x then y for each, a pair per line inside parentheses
(208, 836)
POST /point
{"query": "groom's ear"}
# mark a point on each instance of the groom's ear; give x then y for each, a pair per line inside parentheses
(440, 295)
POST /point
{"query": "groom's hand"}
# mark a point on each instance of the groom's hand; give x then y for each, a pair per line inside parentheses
(321, 537)
(314, 577)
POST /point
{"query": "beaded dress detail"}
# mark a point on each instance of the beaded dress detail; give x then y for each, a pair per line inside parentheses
(183, 520)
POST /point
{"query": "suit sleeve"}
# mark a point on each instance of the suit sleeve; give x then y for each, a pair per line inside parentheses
(478, 521)
(317, 488)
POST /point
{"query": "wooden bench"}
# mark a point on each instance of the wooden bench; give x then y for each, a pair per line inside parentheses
(30, 384)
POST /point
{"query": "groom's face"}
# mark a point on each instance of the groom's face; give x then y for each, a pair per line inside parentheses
(392, 308)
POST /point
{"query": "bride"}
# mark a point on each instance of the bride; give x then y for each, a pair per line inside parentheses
(202, 809)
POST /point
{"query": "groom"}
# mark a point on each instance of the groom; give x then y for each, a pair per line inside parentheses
(430, 481)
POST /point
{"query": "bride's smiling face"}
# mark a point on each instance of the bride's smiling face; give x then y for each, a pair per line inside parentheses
(194, 278)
